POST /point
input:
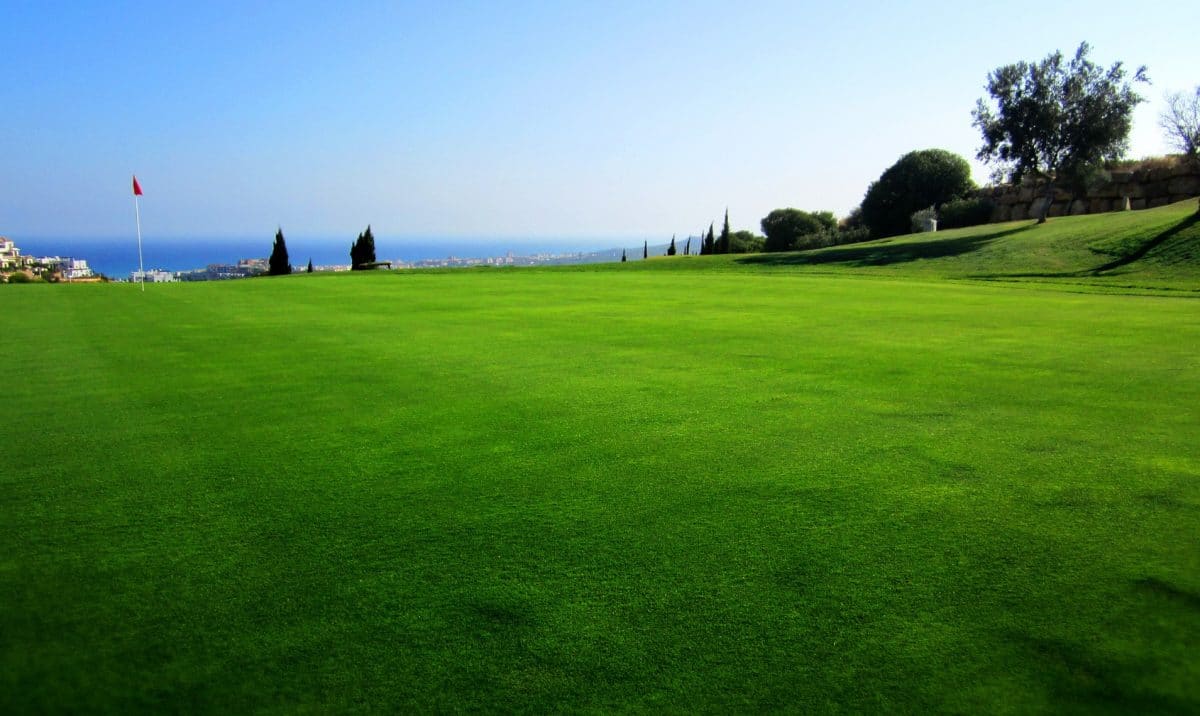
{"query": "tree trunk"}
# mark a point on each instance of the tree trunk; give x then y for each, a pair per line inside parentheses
(1046, 205)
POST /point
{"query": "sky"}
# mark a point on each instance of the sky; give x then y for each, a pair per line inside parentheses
(511, 119)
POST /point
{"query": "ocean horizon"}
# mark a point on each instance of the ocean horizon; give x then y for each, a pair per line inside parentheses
(118, 257)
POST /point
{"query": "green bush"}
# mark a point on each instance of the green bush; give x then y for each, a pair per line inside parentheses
(816, 240)
(784, 228)
(853, 235)
(965, 212)
(745, 242)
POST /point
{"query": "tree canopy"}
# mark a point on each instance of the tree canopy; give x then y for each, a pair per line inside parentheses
(783, 227)
(918, 180)
(278, 264)
(1056, 120)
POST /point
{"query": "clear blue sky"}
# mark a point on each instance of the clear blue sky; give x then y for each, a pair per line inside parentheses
(547, 119)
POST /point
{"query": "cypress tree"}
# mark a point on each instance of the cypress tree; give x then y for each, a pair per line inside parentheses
(645, 249)
(723, 246)
(362, 251)
(710, 244)
(310, 268)
(278, 264)
(623, 259)
(671, 248)
(687, 248)
(369, 242)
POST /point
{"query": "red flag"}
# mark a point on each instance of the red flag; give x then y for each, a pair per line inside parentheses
(137, 188)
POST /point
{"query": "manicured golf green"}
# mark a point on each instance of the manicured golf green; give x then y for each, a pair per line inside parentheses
(756, 484)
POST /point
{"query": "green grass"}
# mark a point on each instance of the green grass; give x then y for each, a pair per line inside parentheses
(1150, 251)
(783, 483)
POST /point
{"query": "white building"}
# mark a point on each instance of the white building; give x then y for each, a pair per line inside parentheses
(73, 269)
(10, 255)
(152, 276)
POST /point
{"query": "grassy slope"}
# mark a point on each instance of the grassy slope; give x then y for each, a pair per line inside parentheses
(638, 488)
(1154, 250)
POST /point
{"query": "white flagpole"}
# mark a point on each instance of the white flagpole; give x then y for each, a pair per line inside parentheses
(138, 216)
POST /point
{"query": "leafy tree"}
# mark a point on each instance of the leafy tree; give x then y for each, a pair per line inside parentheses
(916, 181)
(784, 227)
(1181, 121)
(362, 251)
(671, 248)
(723, 243)
(710, 244)
(745, 242)
(1056, 120)
(278, 264)
(310, 266)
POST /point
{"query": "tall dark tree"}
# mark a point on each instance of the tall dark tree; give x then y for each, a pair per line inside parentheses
(623, 257)
(723, 243)
(687, 248)
(310, 267)
(1056, 120)
(362, 251)
(710, 243)
(645, 249)
(671, 248)
(278, 264)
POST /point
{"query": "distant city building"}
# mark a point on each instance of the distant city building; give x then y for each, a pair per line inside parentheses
(222, 271)
(71, 269)
(152, 276)
(252, 266)
(75, 269)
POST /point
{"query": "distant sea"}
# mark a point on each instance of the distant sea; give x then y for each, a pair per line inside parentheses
(118, 257)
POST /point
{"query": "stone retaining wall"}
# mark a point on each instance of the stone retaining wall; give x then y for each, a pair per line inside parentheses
(1136, 189)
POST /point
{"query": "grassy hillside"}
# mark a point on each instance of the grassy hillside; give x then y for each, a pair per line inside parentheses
(747, 484)
(1157, 249)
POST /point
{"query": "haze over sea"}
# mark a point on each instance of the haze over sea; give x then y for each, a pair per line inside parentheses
(117, 257)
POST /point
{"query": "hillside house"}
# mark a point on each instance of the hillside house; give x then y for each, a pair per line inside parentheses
(10, 256)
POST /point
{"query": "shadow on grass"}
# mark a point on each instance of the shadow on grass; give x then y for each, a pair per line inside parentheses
(1119, 262)
(1082, 676)
(881, 253)
(1148, 246)
(1169, 591)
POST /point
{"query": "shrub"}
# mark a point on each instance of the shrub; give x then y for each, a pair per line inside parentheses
(785, 227)
(1169, 161)
(744, 242)
(965, 212)
(853, 235)
(816, 240)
